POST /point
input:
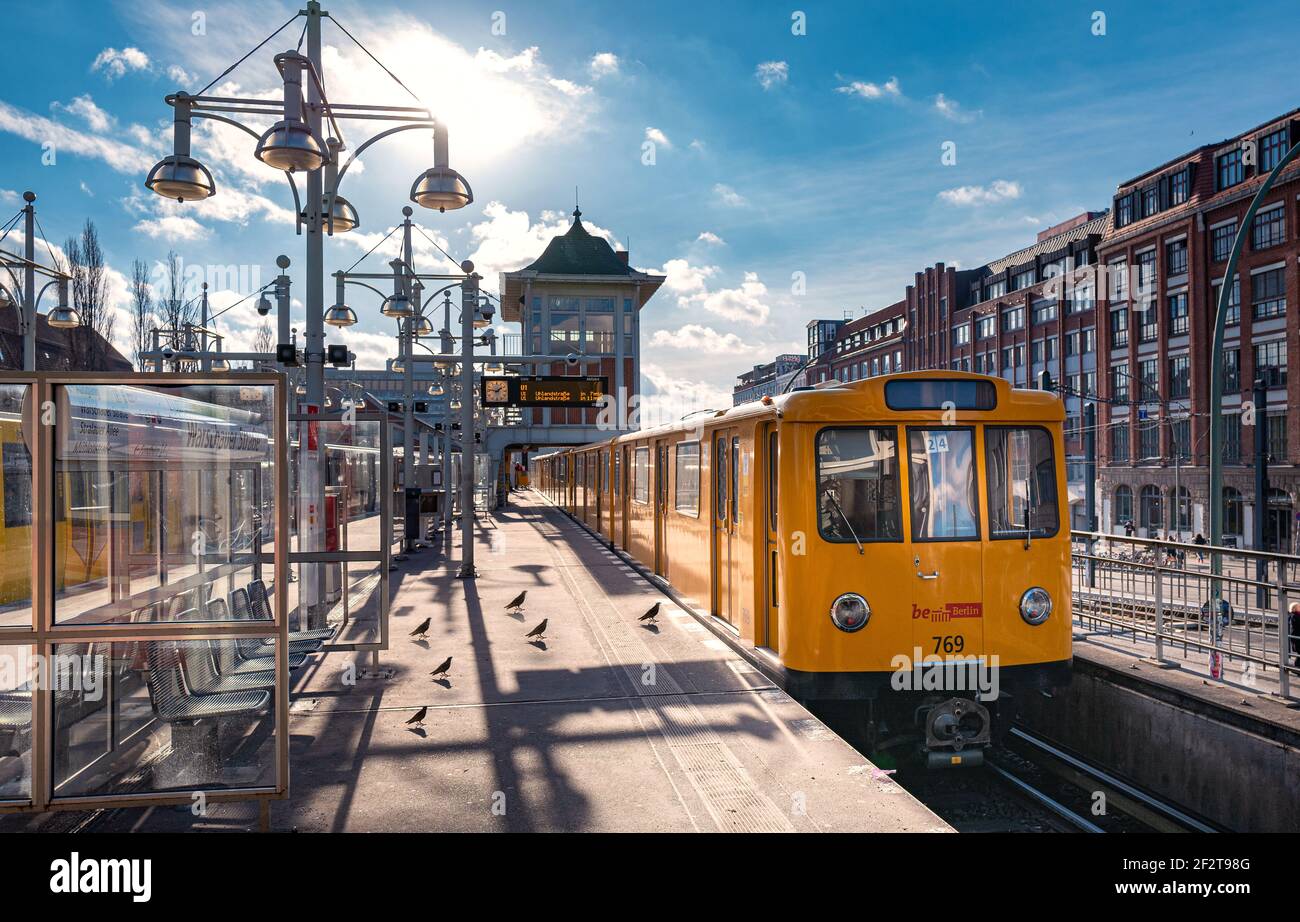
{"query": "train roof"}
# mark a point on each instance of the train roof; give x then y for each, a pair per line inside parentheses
(861, 400)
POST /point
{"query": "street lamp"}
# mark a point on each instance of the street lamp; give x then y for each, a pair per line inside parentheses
(441, 187)
(290, 144)
(340, 315)
(180, 176)
(64, 316)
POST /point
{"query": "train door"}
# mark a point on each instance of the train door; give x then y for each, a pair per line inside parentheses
(602, 482)
(943, 471)
(661, 508)
(623, 473)
(771, 556)
(726, 550)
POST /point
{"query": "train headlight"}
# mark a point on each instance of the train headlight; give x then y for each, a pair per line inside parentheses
(1035, 605)
(850, 612)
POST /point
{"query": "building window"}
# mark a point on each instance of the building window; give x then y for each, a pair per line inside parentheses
(1234, 302)
(1148, 324)
(1123, 210)
(1149, 440)
(1119, 328)
(1150, 509)
(1146, 277)
(1013, 319)
(1117, 280)
(1123, 501)
(995, 289)
(1231, 370)
(1180, 185)
(1221, 239)
(1180, 432)
(1177, 313)
(961, 334)
(1182, 511)
(1119, 442)
(1119, 382)
(1276, 437)
(1268, 293)
(1179, 376)
(1231, 439)
(1044, 311)
(985, 326)
(1268, 228)
(1233, 518)
(1150, 200)
(1049, 348)
(1089, 341)
(1270, 363)
(1272, 148)
(1023, 279)
(1228, 169)
(1008, 357)
(1176, 258)
(1148, 379)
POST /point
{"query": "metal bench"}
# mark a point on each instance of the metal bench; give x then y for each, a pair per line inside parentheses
(229, 658)
(253, 647)
(175, 702)
(200, 666)
(260, 607)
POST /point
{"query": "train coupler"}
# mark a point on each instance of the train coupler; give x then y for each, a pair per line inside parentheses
(956, 733)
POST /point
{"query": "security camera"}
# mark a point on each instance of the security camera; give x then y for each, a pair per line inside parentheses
(263, 306)
(571, 360)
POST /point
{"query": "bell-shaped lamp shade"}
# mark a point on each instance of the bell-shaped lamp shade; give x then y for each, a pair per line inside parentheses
(64, 317)
(442, 188)
(423, 326)
(289, 145)
(340, 315)
(454, 405)
(397, 366)
(220, 365)
(397, 305)
(181, 178)
(342, 216)
(436, 390)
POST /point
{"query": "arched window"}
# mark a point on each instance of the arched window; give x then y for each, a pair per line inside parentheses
(1232, 515)
(1123, 504)
(1181, 513)
(1150, 510)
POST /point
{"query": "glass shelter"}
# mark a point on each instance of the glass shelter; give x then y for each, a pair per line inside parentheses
(144, 645)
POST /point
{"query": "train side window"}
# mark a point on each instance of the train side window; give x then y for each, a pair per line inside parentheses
(1021, 472)
(735, 480)
(720, 476)
(641, 475)
(686, 490)
(857, 485)
(945, 502)
(616, 455)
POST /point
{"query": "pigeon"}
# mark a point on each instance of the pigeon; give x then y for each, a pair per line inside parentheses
(652, 614)
(443, 669)
(517, 603)
(422, 629)
(418, 719)
(539, 631)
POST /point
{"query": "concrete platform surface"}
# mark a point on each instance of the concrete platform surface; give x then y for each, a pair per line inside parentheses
(606, 724)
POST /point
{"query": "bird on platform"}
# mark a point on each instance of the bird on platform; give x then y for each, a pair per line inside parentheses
(517, 603)
(422, 629)
(443, 669)
(652, 614)
(539, 631)
(418, 719)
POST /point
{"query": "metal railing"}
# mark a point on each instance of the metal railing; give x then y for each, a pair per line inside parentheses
(1161, 593)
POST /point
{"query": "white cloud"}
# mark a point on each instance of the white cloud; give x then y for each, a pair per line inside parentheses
(1000, 190)
(41, 130)
(86, 189)
(699, 338)
(87, 110)
(889, 89)
(114, 63)
(10, 197)
(711, 238)
(666, 398)
(729, 196)
(568, 87)
(772, 73)
(658, 137)
(698, 146)
(685, 280)
(745, 303)
(604, 64)
(179, 75)
(952, 110)
(172, 228)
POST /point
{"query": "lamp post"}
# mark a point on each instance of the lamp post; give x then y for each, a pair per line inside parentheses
(295, 144)
(63, 316)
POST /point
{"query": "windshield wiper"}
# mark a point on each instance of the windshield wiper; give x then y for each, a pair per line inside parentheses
(847, 523)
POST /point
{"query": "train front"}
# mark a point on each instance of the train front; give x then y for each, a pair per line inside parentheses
(933, 592)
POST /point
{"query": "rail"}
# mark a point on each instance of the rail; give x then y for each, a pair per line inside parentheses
(1160, 593)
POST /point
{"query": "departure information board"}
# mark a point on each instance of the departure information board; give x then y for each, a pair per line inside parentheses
(545, 391)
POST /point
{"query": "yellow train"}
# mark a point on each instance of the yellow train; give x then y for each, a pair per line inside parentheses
(901, 542)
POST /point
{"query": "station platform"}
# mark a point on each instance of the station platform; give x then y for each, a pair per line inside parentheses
(606, 724)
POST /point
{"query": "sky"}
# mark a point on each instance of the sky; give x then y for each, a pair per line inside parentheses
(777, 162)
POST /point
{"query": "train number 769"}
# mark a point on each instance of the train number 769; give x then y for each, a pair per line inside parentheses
(949, 643)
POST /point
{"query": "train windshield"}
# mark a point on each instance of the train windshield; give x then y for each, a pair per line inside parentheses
(1021, 482)
(857, 485)
(943, 490)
